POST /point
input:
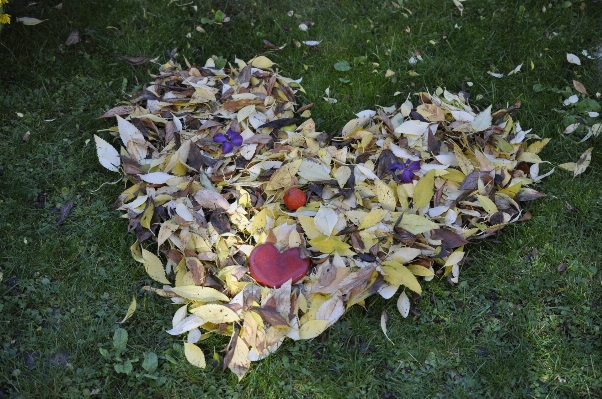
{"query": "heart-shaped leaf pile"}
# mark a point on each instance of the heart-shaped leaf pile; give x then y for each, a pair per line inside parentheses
(209, 153)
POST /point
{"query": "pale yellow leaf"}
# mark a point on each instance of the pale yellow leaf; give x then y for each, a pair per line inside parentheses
(194, 355)
(130, 311)
(342, 174)
(529, 157)
(454, 258)
(284, 176)
(239, 363)
(583, 162)
(314, 170)
(487, 204)
(154, 267)
(312, 329)
(107, 155)
(325, 220)
(570, 166)
(214, 313)
(403, 304)
(384, 317)
(197, 293)
(386, 195)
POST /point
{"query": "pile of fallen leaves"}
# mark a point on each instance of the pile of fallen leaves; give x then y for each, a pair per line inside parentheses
(390, 201)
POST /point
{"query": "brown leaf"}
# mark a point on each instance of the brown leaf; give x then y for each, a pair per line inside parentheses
(271, 315)
(65, 209)
(134, 60)
(73, 38)
(120, 110)
(471, 182)
(528, 194)
(450, 238)
(196, 269)
(579, 87)
(231, 346)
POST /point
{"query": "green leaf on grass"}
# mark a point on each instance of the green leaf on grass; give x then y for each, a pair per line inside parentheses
(342, 66)
(120, 340)
(150, 362)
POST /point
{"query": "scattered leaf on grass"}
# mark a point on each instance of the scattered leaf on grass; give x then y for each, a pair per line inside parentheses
(384, 318)
(579, 87)
(134, 60)
(573, 59)
(130, 311)
(64, 212)
(194, 355)
(342, 66)
(107, 154)
(29, 21)
(403, 304)
(73, 38)
(583, 162)
(561, 267)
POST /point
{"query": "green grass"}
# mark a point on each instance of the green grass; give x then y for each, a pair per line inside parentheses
(513, 327)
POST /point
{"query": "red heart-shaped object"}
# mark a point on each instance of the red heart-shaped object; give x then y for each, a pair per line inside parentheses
(272, 268)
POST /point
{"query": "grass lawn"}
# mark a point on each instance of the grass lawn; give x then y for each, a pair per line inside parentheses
(515, 326)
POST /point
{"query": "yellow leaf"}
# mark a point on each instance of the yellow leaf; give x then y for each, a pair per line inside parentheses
(216, 314)
(154, 267)
(330, 245)
(261, 62)
(537, 146)
(423, 193)
(487, 204)
(197, 293)
(136, 251)
(147, 216)
(386, 195)
(504, 146)
(465, 165)
(431, 112)
(418, 270)
(454, 175)
(512, 190)
(397, 274)
(570, 166)
(312, 329)
(131, 310)
(416, 224)
(284, 176)
(194, 355)
(307, 222)
(371, 219)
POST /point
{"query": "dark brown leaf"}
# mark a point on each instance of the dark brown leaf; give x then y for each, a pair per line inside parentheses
(231, 346)
(220, 222)
(450, 238)
(134, 60)
(120, 110)
(64, 212)
(270, 315)
(280, 123)
(471, 181)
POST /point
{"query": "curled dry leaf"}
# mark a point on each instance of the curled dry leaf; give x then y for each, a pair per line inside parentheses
(209, 204)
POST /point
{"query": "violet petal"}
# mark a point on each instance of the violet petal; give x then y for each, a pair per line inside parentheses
(406, 176)
(220, 138)
(396, 166)
(236, 139)
(414, 165)
(227, 147)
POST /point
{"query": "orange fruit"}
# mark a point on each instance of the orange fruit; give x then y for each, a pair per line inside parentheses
(294, 198)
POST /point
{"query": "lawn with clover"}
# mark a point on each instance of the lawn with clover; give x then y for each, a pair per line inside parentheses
(381, 108)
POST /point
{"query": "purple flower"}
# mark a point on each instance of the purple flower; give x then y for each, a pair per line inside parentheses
(231, 137)
(407, 167)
